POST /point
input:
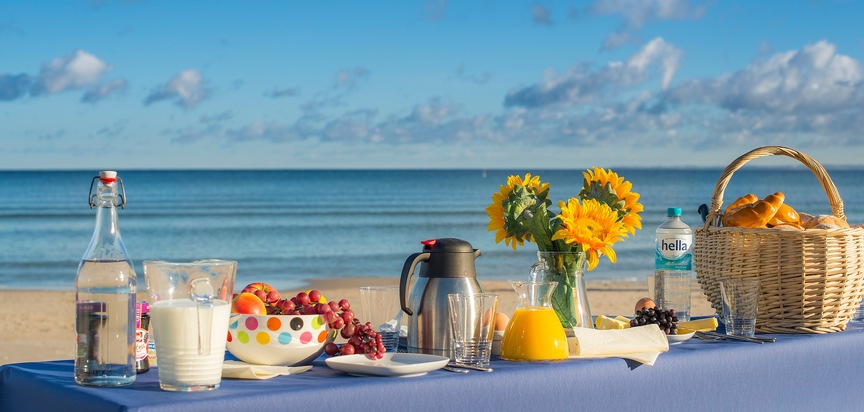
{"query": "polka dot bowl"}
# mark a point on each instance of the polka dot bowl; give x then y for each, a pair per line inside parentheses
(285, 340)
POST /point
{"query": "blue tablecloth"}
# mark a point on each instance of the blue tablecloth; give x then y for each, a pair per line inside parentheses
(798, 372)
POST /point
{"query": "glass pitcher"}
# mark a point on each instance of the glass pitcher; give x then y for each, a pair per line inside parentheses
(534, 333)
(189, 310)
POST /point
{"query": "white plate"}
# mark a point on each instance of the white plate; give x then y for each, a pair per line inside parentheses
(673, 339)
(403, 365)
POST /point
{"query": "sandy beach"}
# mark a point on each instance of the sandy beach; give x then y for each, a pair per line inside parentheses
(40, 325)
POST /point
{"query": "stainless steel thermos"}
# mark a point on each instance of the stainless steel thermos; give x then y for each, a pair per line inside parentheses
(447, 266)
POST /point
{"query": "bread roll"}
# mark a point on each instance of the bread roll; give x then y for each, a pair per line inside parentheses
(789, 227)
(809, 221)
(757, 214)
(785, 214)
(742, 201)
(738, 204)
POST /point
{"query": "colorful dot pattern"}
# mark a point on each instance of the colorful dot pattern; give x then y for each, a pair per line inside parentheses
(278, 330)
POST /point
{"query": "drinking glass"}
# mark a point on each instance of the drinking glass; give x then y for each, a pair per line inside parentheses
(380, 306)
(740, 305)
(472, 316)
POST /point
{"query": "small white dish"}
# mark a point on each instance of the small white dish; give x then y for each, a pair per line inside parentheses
(496, 342)
(404, 365)
(673, 339)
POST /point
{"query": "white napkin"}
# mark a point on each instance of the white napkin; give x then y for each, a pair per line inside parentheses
(642, 344)
(243, 370)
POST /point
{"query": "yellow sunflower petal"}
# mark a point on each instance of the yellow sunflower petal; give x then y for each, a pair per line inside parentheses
(591, 224)
(593, 259)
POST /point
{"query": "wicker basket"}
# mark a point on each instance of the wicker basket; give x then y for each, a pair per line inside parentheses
(812, 281)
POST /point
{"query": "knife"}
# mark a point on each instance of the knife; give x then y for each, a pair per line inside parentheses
(472, 367)
(716, 335)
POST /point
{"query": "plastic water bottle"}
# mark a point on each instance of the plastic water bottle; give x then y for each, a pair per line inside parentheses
(105, 295)
(674, 241)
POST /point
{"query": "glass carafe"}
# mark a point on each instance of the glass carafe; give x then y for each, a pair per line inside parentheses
(534, 333)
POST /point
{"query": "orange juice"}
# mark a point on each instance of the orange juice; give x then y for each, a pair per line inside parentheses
(534, 334)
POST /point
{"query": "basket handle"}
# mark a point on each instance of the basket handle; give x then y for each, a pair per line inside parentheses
(812, 164)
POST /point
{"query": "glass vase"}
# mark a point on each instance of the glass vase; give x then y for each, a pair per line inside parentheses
(570, 298)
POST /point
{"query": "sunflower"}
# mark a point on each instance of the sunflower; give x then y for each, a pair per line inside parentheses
(507, 211)
(592, 225)
(609, 188)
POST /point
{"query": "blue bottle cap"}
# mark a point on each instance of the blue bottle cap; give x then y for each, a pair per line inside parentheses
(673, 212)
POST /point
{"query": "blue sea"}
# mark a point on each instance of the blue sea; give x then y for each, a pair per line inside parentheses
(286, 226)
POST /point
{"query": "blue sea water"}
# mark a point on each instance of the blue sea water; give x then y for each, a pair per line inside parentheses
(284, 227)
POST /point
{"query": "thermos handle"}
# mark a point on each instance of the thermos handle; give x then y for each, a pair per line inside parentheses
(407, 272)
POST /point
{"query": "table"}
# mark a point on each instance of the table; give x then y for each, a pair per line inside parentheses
(798, 372)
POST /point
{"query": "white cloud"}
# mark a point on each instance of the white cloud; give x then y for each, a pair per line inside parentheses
(580, 84)
(811, 96)
(357, 125)
(185, 88)
(77, 70)
(657, 53)
(795, 96)
(815, 79)
(433, 120)
(433, 112)
(635, 14)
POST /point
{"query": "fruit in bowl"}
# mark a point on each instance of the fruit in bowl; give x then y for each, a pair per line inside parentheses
(248, 303)
(266, 329)
(286, 340)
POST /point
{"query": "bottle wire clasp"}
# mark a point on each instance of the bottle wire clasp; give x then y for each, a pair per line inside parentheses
(121, 197)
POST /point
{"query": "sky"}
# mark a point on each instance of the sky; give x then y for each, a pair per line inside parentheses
(143, 84)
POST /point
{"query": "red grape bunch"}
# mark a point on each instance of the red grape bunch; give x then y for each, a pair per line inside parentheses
(311, 304)
(362, 338)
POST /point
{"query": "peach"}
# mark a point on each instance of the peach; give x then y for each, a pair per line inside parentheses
(647, 303)
(265, 292)
(249, 304)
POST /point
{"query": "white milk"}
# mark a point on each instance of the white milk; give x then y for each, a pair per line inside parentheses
(175, 325)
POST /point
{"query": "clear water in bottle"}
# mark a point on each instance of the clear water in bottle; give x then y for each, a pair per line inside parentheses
(673, 264)
(105, 311)
(105, 288)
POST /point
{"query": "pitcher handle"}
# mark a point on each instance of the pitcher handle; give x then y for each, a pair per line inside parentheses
(538, 272)
(202, 293)
(407, 272)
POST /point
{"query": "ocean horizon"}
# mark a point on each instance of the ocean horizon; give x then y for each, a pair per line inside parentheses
(286, 226)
